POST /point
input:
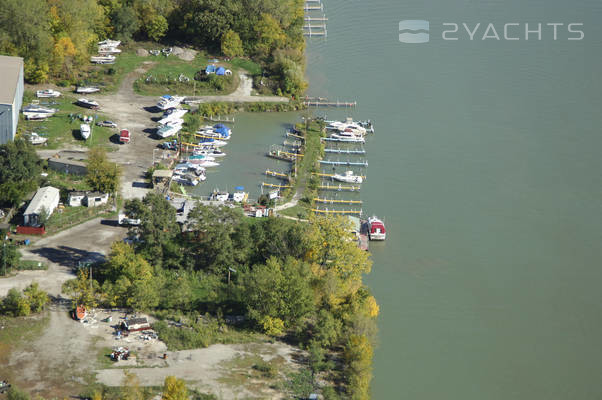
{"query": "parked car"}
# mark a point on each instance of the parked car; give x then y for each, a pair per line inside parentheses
(107, 124)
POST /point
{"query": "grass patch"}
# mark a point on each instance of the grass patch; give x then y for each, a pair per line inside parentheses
(63, 127)
(298, 211)
(66, 182)
(250, 66)
(30, 265)
(16, 332)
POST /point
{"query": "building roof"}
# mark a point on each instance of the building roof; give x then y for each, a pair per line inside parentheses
(10, 68)
(97, 194)
(67, 161)
(76, 193)
(44, 197)
(162, 173)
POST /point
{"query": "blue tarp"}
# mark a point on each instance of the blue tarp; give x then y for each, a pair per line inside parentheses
(221, 71)
(210, 69)
(166, 96)
(239, 188)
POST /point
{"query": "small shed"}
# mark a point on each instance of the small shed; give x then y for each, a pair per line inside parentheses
(210, 69)
(75, 199)
(46, 199)
(135, 324)
(94, 199)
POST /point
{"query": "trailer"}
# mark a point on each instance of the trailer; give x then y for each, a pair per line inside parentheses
(124, 136)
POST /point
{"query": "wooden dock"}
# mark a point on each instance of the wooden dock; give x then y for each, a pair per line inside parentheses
(326, 103)
(219, 119)
(290, 134)
(275, 186)
(283, 155)
(344, 151)
(332, 201)
(318, 211)
(340, 188)
(277, 174)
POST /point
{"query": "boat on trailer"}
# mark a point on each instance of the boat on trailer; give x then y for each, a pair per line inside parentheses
(87, 103)
(48, 93)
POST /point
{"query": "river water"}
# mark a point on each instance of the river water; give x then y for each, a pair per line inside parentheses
(486, 166)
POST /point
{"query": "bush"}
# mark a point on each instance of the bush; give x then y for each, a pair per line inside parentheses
(267, 370)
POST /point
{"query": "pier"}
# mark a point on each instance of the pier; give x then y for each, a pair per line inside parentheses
(327, 103)
(277, 174)
(344, 151)
(329, 139)
(354, 163)
(219, 119)
(331, 201)
(316, 210)
(340, 188)
(275, 186)
(330, 175)
(291, 134)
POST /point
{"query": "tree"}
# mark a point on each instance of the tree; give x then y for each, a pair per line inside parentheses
(19, 171)
(174, 389)
(232, 45)
(82, 290)
(125, 23)
(270, 35)
(131, 387)
(157, 27)
(102, 175)
(15, 304)
(36, 298)
(358, 366)
(15, 393)
(10, 256)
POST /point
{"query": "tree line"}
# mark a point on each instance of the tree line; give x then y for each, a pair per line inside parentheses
(288, 279)
(56, 37)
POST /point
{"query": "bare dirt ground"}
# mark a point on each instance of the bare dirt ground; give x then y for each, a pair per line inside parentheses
(62, 252)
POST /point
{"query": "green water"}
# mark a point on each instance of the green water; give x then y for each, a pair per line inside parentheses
(486, 165)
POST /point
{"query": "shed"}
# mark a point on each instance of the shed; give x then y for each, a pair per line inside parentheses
(46, 198)
(161, 176)
(135, 324)
(11, 96)
(94, 199)
(210, 69)
(75, 199)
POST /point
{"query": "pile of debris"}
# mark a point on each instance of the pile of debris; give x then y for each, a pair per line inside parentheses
(120, 353)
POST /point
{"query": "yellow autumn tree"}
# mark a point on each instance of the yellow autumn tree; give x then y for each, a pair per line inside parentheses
(63, 55)
(174, 389)
(358, 367)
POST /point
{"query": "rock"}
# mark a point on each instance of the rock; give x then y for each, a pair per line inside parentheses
(142, 53)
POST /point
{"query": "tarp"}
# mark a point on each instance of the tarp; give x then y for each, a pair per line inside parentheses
(221, 71)
(210, 69)
(239, 188)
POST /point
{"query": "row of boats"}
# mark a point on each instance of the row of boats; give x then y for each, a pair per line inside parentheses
(106, 52)
(349, 130)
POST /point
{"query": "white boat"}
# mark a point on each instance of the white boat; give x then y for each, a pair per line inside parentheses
(48, 93)
(38, 109)
(109, 42)
(174, 122)
(167, 101)
(36, 116)
(87, 103)
(344, 137)
(108, 50)
(85, 131)
(204, 163)
(219, 196)
(34, 139)
(186, 179)
(87, 89)
(348, 177)
(209, 152)
(172, 114)
(170, 119)
(376, 229)
(347, 125)
(239, 196)
(168, 130)
(107, 59)
(212, 142)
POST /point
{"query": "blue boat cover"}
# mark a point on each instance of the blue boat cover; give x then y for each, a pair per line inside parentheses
(239, 188)
(210, 68)
(221, 71)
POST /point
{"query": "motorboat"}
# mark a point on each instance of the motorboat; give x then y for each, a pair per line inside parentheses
(204, 163)
(348, 177)
(34, 138)
(172, 114)
(209, 152)
(219, 196)
(108, 50)
(104, 59)
(168, 130)
(36, 116)
(48, 93)
(186, 179)
(212, 142)
(167, 101)
(174, 122)
(87, 103)
(87, 89)
(376, 229)
(85, 131)
(345, 137)
(109, 42)
(38, 109)
(201, 157)
(347, 125)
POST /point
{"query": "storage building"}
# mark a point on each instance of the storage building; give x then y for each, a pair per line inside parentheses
(46, 198)
(11, 96)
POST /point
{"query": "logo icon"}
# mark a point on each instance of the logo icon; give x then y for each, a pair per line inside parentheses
(414, 31)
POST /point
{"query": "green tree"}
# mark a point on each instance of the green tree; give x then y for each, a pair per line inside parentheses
(174, 389)
(82, 290)
(270, 35)
(15, 304)
(9, 256)
(157, 27)
(19, 171)
(102, 175)
(36, 298)
(125, 23)
(232, 45)
(14, 393)
(358, 367)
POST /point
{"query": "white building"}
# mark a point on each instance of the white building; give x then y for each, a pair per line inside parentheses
(11, 96)
(75, 199)
(46, 199)
(94, 199)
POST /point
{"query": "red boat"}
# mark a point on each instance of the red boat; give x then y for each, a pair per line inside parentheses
(124, 136)
(376, 229)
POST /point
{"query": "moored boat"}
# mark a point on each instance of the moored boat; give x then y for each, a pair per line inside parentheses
(348, 177)
(209, 152)
(376, 229)
(344, 137)
(212, 142)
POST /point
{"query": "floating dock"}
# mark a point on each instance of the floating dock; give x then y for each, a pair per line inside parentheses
(275, 186)
(329, 139)
(277, 174)
(355, 163)
(219, 119)
(318, 103)
(316, 210)
(330, 175)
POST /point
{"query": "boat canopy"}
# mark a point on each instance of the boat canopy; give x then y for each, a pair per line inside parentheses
(377, 227)
(166, 96)
(220, 71)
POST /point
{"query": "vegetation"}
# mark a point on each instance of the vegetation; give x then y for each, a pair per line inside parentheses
(283, 278)
(20, 170)
(31, 300)
(57, 37)
(102, 175)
